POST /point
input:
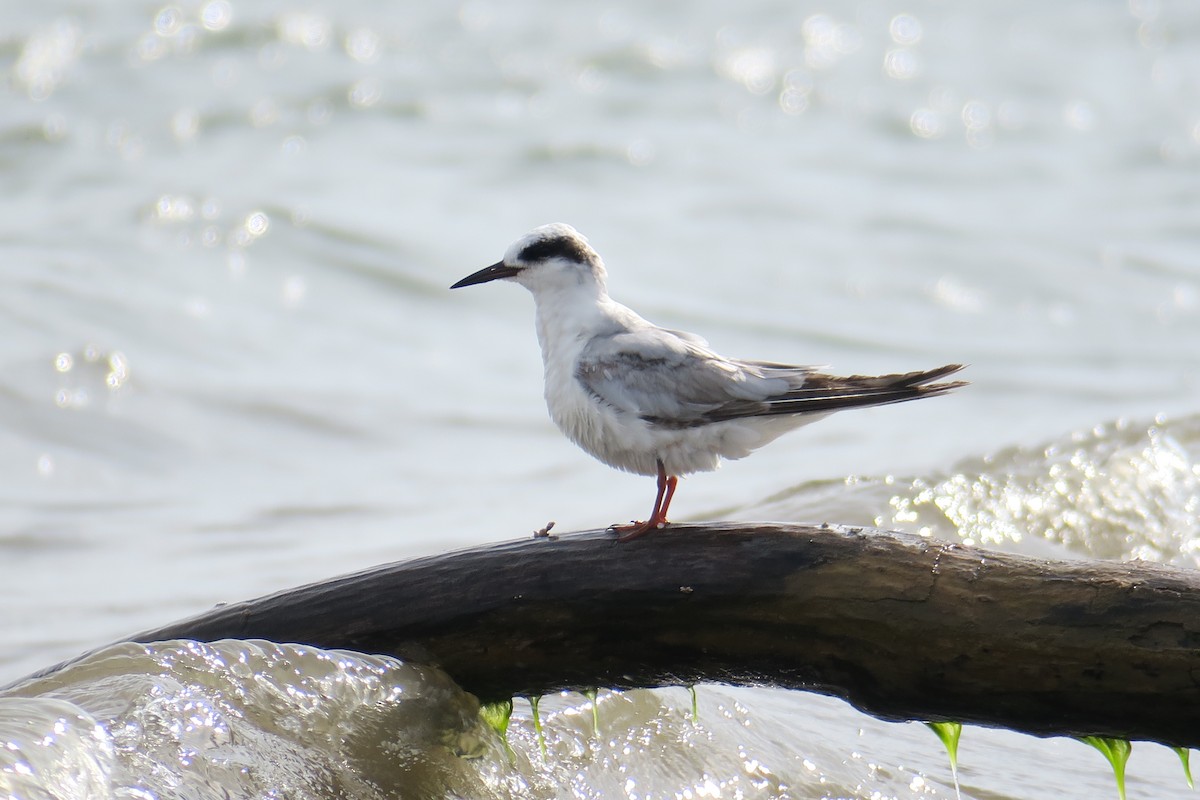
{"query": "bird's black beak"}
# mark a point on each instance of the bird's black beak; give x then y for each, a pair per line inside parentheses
(494, 272)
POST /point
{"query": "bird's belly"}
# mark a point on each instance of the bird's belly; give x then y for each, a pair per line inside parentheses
(627, 442)
(615, 437)
(701, 449)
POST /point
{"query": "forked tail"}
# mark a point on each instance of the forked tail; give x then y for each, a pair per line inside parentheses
(823, 393)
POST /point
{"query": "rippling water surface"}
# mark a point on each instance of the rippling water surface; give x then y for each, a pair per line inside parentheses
(230, 363)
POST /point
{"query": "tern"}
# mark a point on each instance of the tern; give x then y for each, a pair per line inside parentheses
(660, 402)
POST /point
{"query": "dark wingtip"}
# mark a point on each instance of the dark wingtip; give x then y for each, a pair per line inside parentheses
(933, 389)
(930, 375)
(924, 382)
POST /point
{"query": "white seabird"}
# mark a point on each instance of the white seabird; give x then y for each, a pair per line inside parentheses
(659, 402)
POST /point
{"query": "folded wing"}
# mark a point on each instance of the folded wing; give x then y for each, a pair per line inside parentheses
(675, 382)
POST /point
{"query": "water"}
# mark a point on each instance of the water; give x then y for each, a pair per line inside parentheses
(230, 363)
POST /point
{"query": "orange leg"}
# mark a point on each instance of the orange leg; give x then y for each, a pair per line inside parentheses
(658, 517)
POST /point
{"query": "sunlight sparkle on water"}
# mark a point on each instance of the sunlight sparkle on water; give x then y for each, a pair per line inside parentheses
(901, 64)
(47, 57)
(118, 370)
(312, 31)
(976, 115)
(362, 45)
(216, 15)
(174, 208)
(927, 123)
(905, 29)
(256, 225)
(168, 21)
(1112, 492)
(753, 67)
(365, 93)
(827, 41)
(293, 145)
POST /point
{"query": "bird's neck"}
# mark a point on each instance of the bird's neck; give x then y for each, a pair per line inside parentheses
(566, 320)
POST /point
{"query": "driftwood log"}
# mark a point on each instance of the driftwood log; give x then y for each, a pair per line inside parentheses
(901, 626)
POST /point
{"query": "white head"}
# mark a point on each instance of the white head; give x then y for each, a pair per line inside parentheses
(554, 256)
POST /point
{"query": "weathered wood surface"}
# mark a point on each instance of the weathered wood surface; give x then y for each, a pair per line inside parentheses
(901, 626)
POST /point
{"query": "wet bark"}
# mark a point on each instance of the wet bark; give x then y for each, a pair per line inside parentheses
(900, 626)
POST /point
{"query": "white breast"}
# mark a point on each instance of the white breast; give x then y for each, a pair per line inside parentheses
(565, 324)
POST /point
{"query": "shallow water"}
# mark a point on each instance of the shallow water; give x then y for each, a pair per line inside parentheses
(231, 364)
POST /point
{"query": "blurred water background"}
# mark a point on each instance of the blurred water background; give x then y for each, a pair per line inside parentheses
(229, 363)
